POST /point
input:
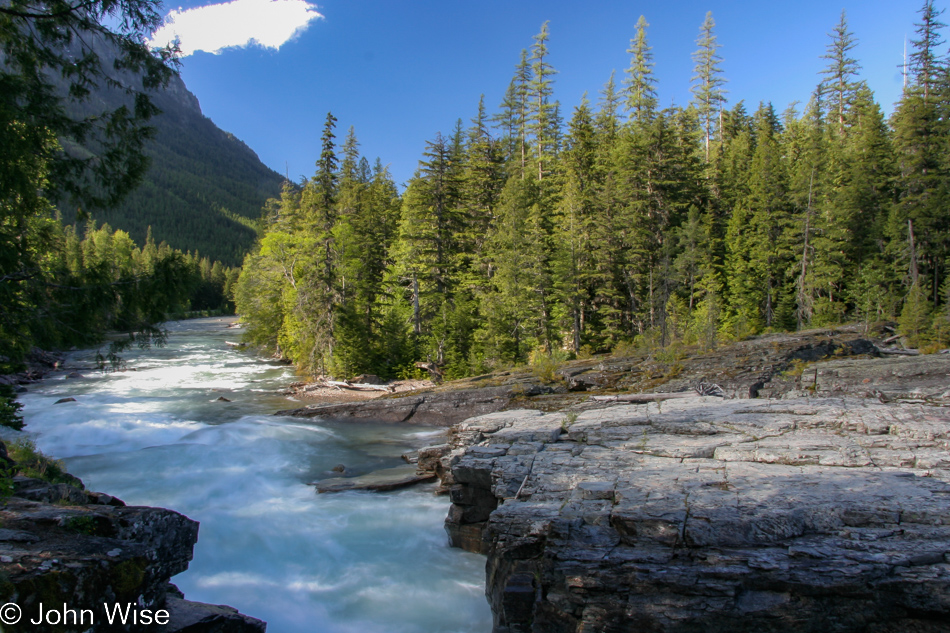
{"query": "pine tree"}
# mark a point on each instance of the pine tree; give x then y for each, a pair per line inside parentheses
(365, 232)
(758, 251)
(839, 83)
(427, 250)
(542, 120)
(481, 183)
(608, 116)
(506, 120)
(573, 265)
(657, 177)
(641, 85)
(708, 93)
(920, 138)
(926, 64)
(915, 318)
(866, 189)
(522, 81)
(517, 312)
(318, 295)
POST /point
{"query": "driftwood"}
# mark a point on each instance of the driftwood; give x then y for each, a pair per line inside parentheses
(342, 384)
(644, 397)
(232, 344)
(434, 372)
(702, 389)
(891, 339)
(902, 352)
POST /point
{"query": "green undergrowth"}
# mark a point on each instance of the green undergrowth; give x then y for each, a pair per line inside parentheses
(31, 462)
(545, 365)
(10, 408)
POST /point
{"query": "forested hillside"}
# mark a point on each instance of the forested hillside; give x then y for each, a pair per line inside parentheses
(75, 108)
(537, 232)
(204, 188)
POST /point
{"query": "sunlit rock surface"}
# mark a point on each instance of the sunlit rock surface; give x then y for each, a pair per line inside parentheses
(702, 514)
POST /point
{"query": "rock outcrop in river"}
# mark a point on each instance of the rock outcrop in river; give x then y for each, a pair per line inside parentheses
(701, 514)
(813, 496)
(64, 548)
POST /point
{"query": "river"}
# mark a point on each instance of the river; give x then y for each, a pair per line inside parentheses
(156, 434)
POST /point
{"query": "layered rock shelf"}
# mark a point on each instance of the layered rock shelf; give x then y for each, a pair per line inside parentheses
(63, 547)
(827, 513)
(439, 408)
(812, 495)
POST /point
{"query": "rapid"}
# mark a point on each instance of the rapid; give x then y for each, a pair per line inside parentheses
(157, 434)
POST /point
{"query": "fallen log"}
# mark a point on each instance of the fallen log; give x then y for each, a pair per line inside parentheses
(434, 372)
(342, 384)
(644, 397)
(902, 352)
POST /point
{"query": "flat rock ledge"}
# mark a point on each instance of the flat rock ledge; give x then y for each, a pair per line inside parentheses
(376, 481)
(60, 545)
(707, 515)
(424, 408)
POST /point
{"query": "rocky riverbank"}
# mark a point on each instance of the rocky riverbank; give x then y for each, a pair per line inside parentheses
(766, 366)
(811, 494)
(822, 513)
(61, 545)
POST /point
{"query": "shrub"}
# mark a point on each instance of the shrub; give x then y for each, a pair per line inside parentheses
(915, 320)
(544, 364)
(30, 462)
(10, 408)
(624, 348)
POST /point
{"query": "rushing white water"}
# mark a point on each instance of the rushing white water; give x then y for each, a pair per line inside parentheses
(268, 545)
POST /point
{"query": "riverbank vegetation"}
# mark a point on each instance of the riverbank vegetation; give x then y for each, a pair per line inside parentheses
(93, 280)
(533, 231)
(66, 282)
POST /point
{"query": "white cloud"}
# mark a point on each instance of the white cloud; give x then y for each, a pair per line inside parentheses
(215, 27)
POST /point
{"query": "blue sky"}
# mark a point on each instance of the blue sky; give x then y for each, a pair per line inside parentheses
(401, 71)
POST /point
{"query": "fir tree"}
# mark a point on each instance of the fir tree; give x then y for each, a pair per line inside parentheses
(839, 77)
(573, 261)
(506, 120)
(543, 120)
(926, 64)
(920, 139)
(480, 188)
(708, 93)
(758, 251)
(641, 85)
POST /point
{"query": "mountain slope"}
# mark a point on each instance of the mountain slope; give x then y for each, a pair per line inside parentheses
(204, 189)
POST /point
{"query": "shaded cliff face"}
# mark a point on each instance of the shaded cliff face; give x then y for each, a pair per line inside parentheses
(204, 188)
(702, 514)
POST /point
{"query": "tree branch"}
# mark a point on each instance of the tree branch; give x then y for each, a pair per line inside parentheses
(47, 16)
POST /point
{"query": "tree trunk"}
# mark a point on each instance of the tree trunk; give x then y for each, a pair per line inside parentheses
(416, 325)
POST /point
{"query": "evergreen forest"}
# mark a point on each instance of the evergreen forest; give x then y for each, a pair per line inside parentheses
(202, 189)
(91, 280)
(202, 192)
(533, 231)
(76, 101)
